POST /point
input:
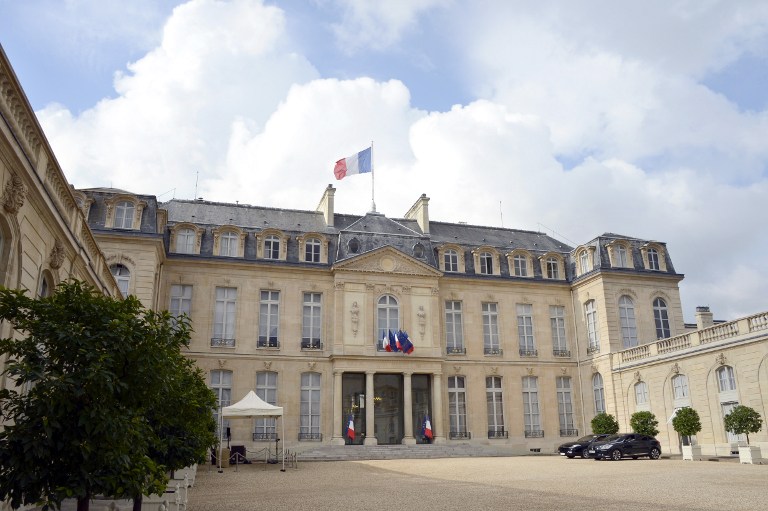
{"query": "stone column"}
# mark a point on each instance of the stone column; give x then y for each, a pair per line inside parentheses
(370, 427)
(408, 437)
(438, 430)
(337, 438)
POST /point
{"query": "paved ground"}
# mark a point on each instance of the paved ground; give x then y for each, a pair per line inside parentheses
(533, 483)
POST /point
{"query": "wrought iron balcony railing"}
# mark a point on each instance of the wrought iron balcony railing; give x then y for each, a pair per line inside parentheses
(264, 436)
(456, 350)
(497, 434)
(218, 342)
(534, 433)
(311, 344)
(561, 353)
(267, 342)
(529, 353)
(459, 435)
(310, 437)
(569, 432)
(495, 352)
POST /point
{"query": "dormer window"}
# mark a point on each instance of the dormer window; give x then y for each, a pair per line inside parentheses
(451, 260)
(520, 265)
(653, 259)
(418, 251)
(486, 263)
(124, 212)
(354, 245)
(229, 244)
(620, 255)
(272, 247)
(312, 250)
(185, 241)
(584, 262)
(553, 268)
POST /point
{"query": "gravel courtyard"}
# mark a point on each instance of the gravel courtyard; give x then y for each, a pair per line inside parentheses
(532, 483)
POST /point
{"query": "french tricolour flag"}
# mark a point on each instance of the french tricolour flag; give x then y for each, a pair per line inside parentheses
(427, 427)
(351, 428)
(359, 163)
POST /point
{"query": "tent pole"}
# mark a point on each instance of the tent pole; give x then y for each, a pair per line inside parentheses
(221, 440)
(282, 424)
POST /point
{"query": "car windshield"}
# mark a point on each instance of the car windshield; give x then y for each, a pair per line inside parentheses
(612, 438)
(585, 439)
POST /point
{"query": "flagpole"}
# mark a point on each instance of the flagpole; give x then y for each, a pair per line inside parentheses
(373, 201)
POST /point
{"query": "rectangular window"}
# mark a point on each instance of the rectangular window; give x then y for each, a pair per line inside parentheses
(553, 269)
(486, 263)
(457, 407)
(181, 300)
(590, 313)
(653, 259)
(124, 215)
(451, 261)
(680, 386)
(312, 251)
(453, 327)
(229, 244)
(221, 384)
(224, 317)
(531, 407)
(266, 389)
(565, 406)
(525, 330)
(272, 247)
(621, 256)
(309, 421)
(495, 407)
(521, 266)
(185, 241)
(641, 393)
(557, 321)
(311, 321)
(491, 329)
(269, 308)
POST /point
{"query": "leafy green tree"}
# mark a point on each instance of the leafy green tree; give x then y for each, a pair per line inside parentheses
(743, 420)
(87, 369)
(687, 423)
(644, 423)
(604, 423)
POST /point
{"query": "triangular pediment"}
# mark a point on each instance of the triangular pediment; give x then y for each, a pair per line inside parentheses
(387, 260)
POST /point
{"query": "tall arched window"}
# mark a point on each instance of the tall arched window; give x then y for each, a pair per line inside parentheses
(387, 316)
(590, 315)
(680, 386)
(661, 317)
(122, 276)
(641, 393)
(46, 286)
(726, 379)
(599, 393)
(627, 319)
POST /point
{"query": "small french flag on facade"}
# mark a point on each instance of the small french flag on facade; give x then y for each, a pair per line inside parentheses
(351, 428)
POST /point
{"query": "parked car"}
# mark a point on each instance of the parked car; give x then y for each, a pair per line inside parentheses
(579, 447)
(628, 445)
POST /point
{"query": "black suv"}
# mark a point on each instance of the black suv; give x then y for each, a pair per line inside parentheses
(579, 447)
(627, 445)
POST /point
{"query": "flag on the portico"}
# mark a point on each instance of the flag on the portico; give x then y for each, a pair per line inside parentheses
(426, 429)
(385, 343)
(359, 163)
(397, 343)
(351, 428)
(392, 342)
(406, 346)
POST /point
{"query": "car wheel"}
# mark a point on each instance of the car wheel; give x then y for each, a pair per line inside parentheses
(655, 454)
(569, 456)
(635, 457)
(584, 454)
(615, 455)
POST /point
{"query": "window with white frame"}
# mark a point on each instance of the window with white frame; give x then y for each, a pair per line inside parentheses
(312, 250)
(641, 393)
(520, 263)
(495, 405)
(181, 300)
(311, 321)
(387, 316)
(525, 330)
(557, 322)
(124, 212)
(266, 389)
(598, 392)
(620, 256)
(269, 319)
(486, 263)
(224, 317)
(565, 406)
(491, 329)
(553, 268)
(309, 419)
(271, 247)
(531, 417)
(229, 244)
(627, 321)
(584, 261)
(726, 379)
(653, 259)
(454, 334)
(727, 407)
(590, 314)
(122, 277)
(450, 260)
(457, 407)
(680, 386)
(185, 241)
(221, 385)
(661, 318)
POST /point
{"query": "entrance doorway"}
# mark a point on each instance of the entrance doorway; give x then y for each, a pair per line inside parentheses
(388, 405)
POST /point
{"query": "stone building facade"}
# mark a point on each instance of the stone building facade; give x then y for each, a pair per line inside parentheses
(519, 339)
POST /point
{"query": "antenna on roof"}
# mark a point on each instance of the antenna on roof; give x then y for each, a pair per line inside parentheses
(197, 173)
(501, 214)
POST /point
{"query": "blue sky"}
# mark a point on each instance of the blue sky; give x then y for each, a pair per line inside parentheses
(648, 119)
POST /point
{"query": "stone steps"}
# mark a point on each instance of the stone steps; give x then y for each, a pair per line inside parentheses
(419, 451)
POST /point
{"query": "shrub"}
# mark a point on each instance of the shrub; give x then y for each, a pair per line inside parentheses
(644, 423)
(604, 423)
(743, 420)
(686, 422)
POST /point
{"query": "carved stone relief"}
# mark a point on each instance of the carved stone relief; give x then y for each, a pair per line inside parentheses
(57, 255)
(422, 318)
(14, 195)
(355, 317)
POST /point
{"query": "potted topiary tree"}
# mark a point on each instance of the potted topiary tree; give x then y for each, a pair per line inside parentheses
(644, 423)
(687, 423)
(604, 423)
(744, 420)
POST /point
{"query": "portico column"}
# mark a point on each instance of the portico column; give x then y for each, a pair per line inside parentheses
(337, 438)
(407, 410)
(370, 426)
(437, 408)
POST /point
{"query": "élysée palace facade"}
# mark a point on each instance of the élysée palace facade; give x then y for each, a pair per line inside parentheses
(519, 340)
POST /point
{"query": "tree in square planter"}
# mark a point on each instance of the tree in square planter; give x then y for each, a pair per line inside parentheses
(604, 423)
(744, 420)
(687, 423)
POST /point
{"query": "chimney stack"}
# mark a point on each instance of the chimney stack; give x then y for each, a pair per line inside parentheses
(326, 205)
(703, 317)
(420, 212)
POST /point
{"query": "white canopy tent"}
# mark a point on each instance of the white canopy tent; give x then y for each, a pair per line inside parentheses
(251, 406)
